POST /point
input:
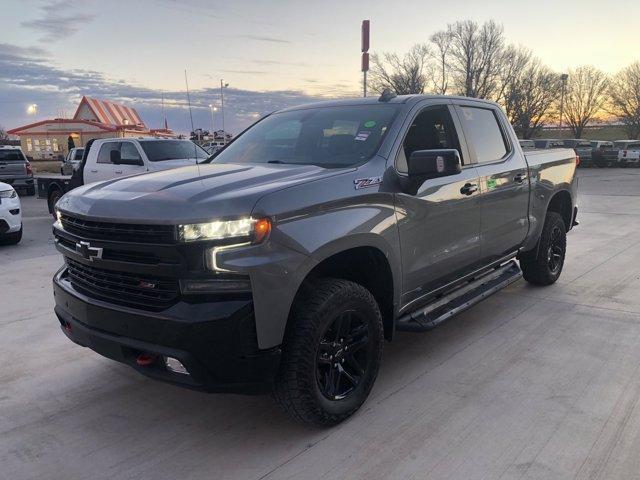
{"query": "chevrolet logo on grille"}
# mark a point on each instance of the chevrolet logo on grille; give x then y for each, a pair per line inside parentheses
(87, 251)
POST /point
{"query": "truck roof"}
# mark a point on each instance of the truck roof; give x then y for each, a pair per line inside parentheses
(374, 100)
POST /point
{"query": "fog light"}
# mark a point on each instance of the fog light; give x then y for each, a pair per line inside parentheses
(174, 365)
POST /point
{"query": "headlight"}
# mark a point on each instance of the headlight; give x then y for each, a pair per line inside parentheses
(8, 194)
(246, 229)
(59, 216)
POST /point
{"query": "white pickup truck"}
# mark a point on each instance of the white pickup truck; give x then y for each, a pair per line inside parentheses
(109, 158)
(628, 153)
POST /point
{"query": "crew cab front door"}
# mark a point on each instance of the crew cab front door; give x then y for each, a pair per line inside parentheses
(439, 225)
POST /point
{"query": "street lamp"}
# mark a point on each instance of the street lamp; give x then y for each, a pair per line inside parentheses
(32, 109)
(563, 78)
(212, 109)
(222, 87)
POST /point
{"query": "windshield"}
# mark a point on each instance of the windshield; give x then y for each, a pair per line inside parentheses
(11, 155)
(329, 137)
(160, 150)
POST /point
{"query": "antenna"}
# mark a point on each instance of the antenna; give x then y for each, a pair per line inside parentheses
(387, 95)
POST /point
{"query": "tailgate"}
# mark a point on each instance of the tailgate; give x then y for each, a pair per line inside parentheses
(12, 169)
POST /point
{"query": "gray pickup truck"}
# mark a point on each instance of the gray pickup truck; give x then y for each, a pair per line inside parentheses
(283, 264)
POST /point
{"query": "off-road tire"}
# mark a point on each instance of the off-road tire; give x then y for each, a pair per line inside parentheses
(537, 266)
(298, 387)
(54, 196)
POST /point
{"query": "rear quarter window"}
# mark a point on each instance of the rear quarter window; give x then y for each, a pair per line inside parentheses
(483, 133)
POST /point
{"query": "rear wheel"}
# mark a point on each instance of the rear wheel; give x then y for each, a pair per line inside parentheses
(543, 265)
(331, 352)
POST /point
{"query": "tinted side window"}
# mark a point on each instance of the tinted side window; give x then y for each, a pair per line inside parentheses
(104, 155)
(431, 129)
(128, 151)
(483, 133)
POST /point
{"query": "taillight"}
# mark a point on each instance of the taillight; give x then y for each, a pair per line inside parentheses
(577, 160)
(29, 169)
(624, 153)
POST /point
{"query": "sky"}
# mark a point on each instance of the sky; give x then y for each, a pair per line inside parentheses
(273, 53)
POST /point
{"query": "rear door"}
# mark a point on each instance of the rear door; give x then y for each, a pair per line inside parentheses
(439, 225)
(503, 175)
(99, 166)
(129, 153)
(13, 164)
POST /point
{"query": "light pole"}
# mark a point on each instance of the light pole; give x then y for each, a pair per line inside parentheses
(224, 132)
(32, 109)
(212, 109)
(563, 78)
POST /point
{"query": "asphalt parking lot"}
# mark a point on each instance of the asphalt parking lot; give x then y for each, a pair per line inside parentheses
(532, 383)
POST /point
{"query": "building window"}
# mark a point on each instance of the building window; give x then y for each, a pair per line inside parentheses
(56, 148)
(29, 145)
(36, 145)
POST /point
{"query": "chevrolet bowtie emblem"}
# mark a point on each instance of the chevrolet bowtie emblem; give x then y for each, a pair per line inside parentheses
(87, 251)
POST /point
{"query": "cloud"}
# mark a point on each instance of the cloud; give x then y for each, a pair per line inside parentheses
(247, 72)
(59, 21)
(261, 38)
(25, 77)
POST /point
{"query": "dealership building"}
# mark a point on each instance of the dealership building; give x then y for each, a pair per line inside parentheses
(50, 139)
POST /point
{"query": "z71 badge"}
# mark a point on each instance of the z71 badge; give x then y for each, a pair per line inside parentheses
(367, 182)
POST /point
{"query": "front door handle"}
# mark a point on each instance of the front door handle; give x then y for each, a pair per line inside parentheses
(469, 189)
(118, 171)
(94, 171)
(520, 177)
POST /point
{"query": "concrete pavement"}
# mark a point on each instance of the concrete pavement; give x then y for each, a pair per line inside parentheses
(533, 383)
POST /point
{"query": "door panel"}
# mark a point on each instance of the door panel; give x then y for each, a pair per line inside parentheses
(439, 225)
(504, 201)
(504, 186)
(439, 233)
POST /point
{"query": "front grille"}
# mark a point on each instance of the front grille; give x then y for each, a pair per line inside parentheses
(117, 254)
(123, 288)
(121, 232)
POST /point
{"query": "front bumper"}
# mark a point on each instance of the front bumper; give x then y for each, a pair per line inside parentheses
(215, 341)
(10, 215)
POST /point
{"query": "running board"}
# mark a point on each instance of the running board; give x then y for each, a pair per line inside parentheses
(460, 299)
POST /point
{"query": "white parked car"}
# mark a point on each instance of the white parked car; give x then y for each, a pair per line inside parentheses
(10, 215)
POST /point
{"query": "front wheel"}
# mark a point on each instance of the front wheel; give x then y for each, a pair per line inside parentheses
(543, 265)
(11, 238)
(331, 353)
(54, 196)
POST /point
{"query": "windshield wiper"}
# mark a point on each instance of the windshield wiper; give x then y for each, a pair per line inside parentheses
(277, 161)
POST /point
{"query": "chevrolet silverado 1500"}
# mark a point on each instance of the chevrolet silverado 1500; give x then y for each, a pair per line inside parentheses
(283, 264)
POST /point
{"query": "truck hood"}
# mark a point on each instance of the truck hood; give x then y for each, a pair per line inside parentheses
(189, 194)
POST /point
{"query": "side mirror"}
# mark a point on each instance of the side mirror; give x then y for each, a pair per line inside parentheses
(114, 156)
(425, 164)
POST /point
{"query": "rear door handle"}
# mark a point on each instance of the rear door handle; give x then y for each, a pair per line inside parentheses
(520, 177)
(469, 188)
(118, 171)
(94, 171)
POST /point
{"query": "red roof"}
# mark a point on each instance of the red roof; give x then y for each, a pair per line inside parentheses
(110, 113)
(16, 131)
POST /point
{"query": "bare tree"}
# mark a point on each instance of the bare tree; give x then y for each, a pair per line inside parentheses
(404, 75)
(442, 42)
(476, 55)
(529, 97)
(3, 133)
(585, 96)
(513, 61)
(624, 93)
